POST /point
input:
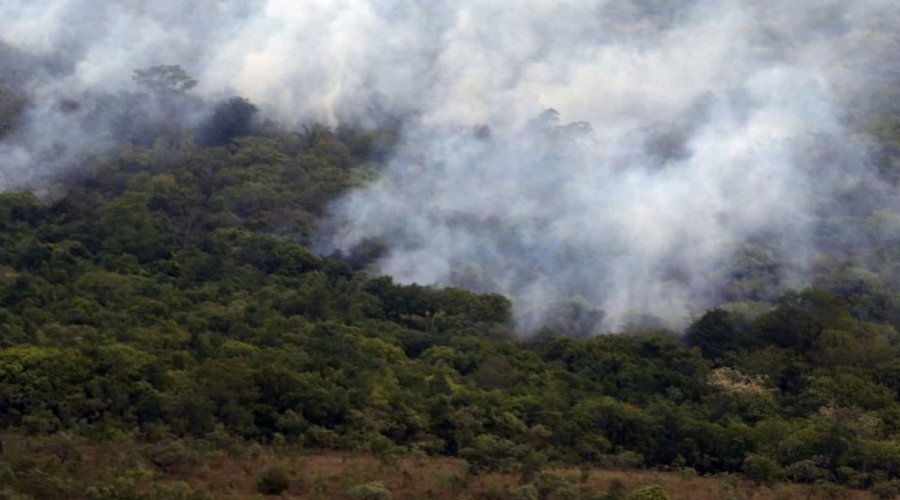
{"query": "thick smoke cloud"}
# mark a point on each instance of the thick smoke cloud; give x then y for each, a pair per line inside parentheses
(684, 135)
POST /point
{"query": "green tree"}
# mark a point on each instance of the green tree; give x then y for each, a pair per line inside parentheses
(164, 79)
(716, 333)
(230, 119)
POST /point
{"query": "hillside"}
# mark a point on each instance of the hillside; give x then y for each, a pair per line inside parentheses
(166, 296)
(617, 250)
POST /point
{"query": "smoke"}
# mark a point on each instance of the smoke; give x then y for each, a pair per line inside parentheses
(597, 162)
(686, 153)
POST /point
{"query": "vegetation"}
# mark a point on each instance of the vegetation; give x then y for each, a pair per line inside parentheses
(167, 300)
(274, 481)
(115, 469)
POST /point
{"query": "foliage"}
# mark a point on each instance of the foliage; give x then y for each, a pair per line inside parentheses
(164, 78)
(230, 119)
(886, 490)
(652, 492)
(170, 455)
(761, 469)
(274, 481)
(371, 491)
(170, 293)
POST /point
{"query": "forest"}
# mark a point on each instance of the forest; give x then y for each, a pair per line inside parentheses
(163, 296)
(377, 249)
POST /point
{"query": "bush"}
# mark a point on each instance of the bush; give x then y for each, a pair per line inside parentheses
(829, 490)
(761, 469)
(8, 494)
(849, 477)
(170, 455)
(616, 490)
(548, 484)
(652, 492)
(525, 492)
(805, 471)
(371, 491)
(41, 422)
(179, 490)
(63, 446)
(274, 481)
(886, 490)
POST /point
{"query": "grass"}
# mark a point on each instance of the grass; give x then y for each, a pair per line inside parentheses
(69, 468)
(331, 475)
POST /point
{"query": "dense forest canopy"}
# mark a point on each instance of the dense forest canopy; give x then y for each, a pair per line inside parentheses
(324, 251)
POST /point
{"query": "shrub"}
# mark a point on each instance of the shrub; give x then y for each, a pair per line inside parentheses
(805, 471)
(850, 477)
(525, 492)
(8, 494)
(652, 492)
(63, 445)
(548, 484)
(170, 455)
(827, 489)
(886, 490)
(371, 491)
(178, 490)
(616, 490)
(41, 422)
(761, 469)
(274, 481)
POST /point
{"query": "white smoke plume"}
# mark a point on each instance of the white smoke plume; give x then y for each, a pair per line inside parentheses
(590, 159)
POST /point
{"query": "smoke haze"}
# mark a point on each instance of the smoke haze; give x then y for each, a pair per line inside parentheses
(598, 161)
